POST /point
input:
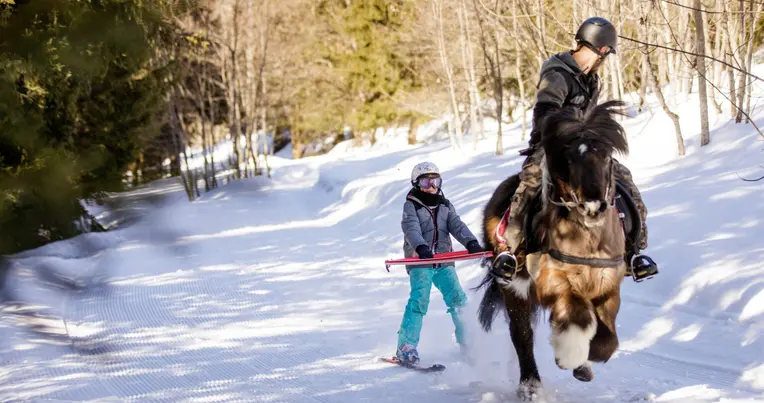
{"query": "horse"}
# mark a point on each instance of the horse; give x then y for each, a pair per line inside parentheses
(573, 262)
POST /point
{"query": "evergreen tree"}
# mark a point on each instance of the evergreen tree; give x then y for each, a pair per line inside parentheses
(76, 93)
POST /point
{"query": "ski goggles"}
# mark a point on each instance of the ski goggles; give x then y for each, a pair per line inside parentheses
(426, 182)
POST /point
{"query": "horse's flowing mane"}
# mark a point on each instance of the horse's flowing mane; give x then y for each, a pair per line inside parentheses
(596, 127)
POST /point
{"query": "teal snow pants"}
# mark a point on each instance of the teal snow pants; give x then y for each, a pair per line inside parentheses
(421, 280)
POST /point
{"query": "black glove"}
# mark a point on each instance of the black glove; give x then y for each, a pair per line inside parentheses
(474, 247)
(424, 252)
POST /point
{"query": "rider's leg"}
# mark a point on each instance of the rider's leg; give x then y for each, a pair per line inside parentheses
(641, 266)
(530, 180)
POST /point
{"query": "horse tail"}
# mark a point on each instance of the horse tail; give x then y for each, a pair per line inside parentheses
(492, 297)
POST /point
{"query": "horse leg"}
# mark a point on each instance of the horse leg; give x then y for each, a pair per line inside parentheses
(605, 341)
(573, 326)
(522, 310)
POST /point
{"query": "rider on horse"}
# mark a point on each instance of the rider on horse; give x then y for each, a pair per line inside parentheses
(570, 79)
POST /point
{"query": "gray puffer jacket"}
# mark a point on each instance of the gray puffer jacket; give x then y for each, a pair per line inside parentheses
(419, 227)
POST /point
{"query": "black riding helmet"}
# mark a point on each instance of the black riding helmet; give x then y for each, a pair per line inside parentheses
(597, 32)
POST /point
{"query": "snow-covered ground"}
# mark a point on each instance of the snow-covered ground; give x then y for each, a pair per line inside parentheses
(275, 290)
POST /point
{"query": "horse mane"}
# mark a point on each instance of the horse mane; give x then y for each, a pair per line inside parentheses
(595, 126)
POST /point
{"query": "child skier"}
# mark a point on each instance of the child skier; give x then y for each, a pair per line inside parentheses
(429, 220)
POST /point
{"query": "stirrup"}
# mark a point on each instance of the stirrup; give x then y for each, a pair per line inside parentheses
(504, 266)
(645, 272)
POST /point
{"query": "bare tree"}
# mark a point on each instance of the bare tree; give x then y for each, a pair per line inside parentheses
(700, 64)
(456, 125)
(645, 31)
(468, 60)
(493, 66)
(519, 72)
(749, 57)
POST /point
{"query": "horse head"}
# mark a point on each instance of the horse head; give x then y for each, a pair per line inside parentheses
(578, 168)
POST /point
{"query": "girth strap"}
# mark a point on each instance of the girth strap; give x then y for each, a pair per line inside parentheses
(602, 263)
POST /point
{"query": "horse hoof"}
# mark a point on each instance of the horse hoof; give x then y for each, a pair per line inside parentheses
(584, 373)
(529, 390)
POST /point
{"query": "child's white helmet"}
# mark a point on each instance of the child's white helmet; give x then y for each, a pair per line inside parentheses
(423, 168)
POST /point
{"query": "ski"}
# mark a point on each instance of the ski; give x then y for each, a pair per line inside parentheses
(415, 367)
(439, 258)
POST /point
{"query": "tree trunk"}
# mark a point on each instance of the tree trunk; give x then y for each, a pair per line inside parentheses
(467, 70)
(298, 149)
(519, 74)
(742, 78)
(619, 56)
(541, 27)
(264, 123)
(670, 61)
(573, 23)
(413, 126)
(659, 94)
(233, 118)
(749, 59)
(233, 89)
(700, 63)
(201, 86)
(686, 67)
(730, 42)
(710, 73)
(213, 143)
(437, 8)
(476, 118)
(673, 116)
(184, 149)
(499, 94)
(643, 83)
(718, 47)
(175, 128)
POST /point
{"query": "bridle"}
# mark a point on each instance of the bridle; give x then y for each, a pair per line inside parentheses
(575, 203)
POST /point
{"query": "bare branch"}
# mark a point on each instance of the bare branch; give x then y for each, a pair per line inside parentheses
(701, 10)
(637, 41)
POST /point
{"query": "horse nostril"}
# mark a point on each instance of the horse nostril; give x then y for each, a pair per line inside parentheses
(603, 206)
(592, 207)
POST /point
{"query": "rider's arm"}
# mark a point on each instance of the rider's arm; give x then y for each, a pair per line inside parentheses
(551, 94)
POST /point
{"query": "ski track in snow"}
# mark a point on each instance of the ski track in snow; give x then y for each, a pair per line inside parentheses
(275, 290)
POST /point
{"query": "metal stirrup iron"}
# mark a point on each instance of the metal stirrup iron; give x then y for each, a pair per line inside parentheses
(498, 269)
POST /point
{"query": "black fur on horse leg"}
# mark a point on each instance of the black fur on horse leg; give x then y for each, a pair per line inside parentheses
(522, 313)
(605, 341)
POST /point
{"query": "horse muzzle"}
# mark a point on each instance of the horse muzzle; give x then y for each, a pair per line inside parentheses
(593, 212)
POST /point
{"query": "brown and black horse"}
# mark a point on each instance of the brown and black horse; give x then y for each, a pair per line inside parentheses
(575, 255)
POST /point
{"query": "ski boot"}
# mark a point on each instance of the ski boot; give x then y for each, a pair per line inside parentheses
(407, 354)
